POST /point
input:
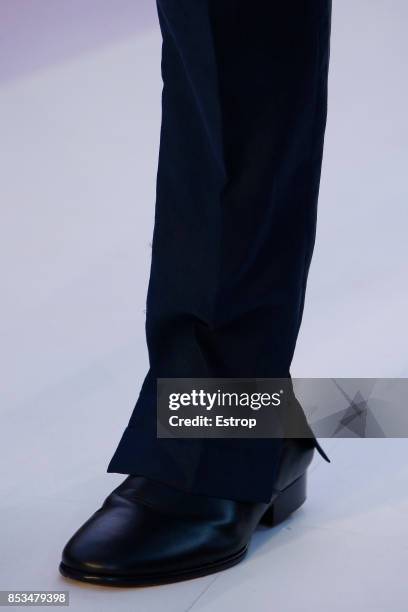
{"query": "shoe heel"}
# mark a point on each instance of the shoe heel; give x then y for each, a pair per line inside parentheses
(288, 500)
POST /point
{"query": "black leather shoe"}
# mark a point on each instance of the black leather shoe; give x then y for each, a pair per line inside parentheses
(147, 533)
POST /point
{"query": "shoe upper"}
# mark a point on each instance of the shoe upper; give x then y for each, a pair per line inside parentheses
(145, 527)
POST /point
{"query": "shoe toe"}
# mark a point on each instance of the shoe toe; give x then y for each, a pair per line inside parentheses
(103, 543)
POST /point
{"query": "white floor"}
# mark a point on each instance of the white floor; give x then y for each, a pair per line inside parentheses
(79, 138)
(346, 549)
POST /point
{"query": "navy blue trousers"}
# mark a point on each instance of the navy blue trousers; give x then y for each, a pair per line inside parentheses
(243, 119)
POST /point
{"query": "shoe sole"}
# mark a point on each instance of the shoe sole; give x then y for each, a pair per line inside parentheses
(152, 580)
(289, 500)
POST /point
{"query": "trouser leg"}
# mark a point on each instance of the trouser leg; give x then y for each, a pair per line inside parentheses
(244, 113)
